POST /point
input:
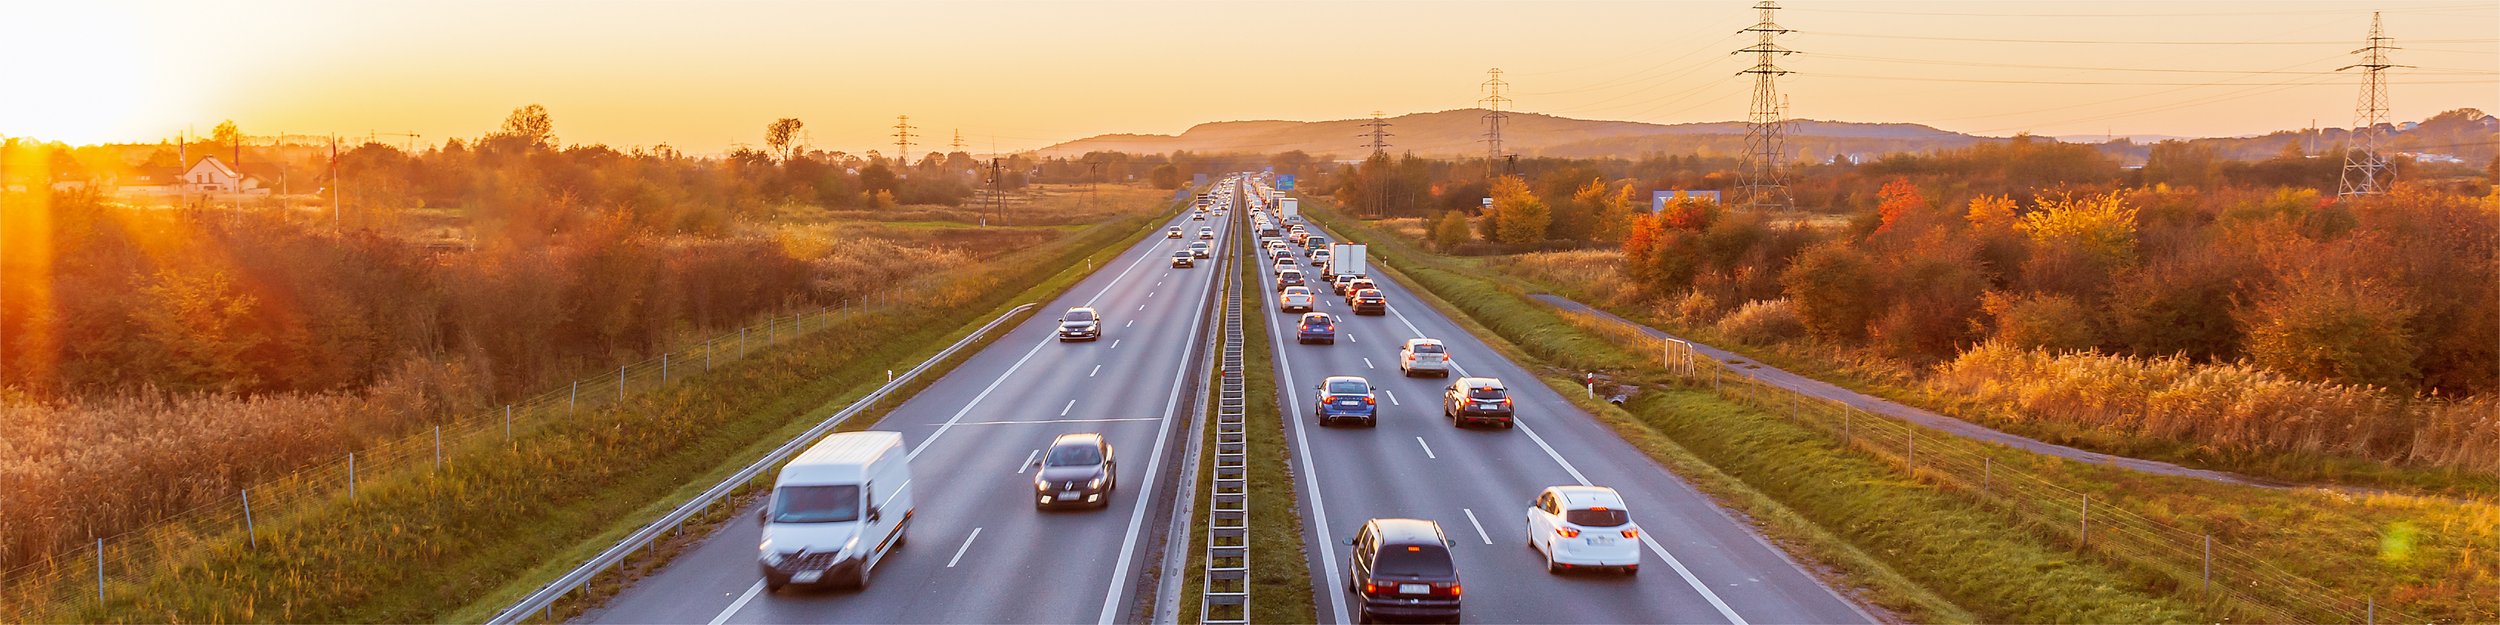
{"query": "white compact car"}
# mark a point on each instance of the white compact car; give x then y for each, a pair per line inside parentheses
(1584, 527)
(1424, 356)
(1296, 299)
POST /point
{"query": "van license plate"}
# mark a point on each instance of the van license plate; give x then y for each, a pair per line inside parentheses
(1413, 589)
(806, 577)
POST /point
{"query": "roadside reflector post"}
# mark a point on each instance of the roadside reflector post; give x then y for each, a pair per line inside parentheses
(99, 570)
(576, 398)
(2083, 536)
(620, 382)
(663, 368)
(351, 475)
(438, 447)
(2209, 564)
(507, 422)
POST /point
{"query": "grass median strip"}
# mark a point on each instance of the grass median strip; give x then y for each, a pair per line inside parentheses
(1280, 582)
(497, 520)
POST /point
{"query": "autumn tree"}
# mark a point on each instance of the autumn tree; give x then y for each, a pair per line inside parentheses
(1165, 176)
(226, 134)
(1614, 216)
(1519, 217)
(528, 127)
(781, 133)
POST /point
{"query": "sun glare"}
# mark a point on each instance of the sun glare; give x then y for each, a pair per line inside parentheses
(88, 76)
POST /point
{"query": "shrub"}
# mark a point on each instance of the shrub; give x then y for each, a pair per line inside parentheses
(1451, 231)
(1763, 322)
(2047, 321)
(1829, 285)
(2351, 332)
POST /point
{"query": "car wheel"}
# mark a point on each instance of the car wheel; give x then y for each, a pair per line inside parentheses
(772, 586)
(1364, 616)
(1550, 567)
(866, 570)
(1630, 570)
(1371, 422)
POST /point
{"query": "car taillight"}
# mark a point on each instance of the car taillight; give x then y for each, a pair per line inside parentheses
(1506, 402)
(1370, 401)
(1567, 532)
(1370, 588)
(1631, 533)
(1447, 590)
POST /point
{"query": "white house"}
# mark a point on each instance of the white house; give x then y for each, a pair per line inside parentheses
(214, 176)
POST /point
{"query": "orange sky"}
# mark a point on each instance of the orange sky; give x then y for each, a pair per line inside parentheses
(704, 76)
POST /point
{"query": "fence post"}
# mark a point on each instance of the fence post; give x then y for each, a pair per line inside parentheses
(99, 570)
(438, 448)
(2209, 565)
(1846, 438)
(351, 475)
(620, 382)
(575, 399)
(251, 535)
(2084, 535)
(507, 422)
(707, 354)
(742, 340)
(2372, 606)
(663, 368)
(1987, 471)
(1913, 461)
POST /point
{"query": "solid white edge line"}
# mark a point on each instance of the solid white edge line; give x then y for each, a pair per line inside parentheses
(1471, 520)
(1154, 464)
(959, 551)
(741, 603)
(1654, 547)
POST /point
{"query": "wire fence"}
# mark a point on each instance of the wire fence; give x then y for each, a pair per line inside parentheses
(57, 587)
(2234, 584)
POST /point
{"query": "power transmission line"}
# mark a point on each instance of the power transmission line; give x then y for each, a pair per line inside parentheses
(1766, 148)
(1379, 134)
(1493, 116)
(902, 141)
(2124, 43)
(2366, 171)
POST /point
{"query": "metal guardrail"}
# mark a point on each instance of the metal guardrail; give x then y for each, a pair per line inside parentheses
(544, 599)
(1225, 598)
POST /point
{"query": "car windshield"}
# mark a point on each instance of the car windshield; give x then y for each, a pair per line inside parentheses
(1426, 348)
(816, 504)
(1417, 560)
(1073, 455)
(1486, 393)
(1348, 387)
(1597, 517)
(1080, 315)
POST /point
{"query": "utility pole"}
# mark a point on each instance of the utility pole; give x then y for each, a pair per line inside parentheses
(959, 141)
(1493, 116)
(998, 172)
(1765, 186)
(902, 142)
(337, 186)
(2366, 170)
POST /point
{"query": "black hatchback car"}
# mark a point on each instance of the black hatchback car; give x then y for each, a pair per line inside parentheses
(1077, 470)
(1401, 570)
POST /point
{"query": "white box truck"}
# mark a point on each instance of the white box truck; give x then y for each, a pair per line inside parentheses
(836, 510)
(1289, 208)
(1345, 259)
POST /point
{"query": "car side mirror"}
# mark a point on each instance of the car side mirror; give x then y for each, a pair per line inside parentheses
(873, 514)
(1349, 542)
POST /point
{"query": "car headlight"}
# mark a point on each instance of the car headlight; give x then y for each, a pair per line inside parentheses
(1097, 483)
(1040, 485)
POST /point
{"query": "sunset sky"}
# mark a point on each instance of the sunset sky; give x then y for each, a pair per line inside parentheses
(705, 76)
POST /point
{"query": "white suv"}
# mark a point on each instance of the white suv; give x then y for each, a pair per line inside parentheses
(1580, 527)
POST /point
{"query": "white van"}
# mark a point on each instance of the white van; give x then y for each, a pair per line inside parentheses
(836, 511)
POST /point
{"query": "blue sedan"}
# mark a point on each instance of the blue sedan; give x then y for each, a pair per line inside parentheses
(1346, 398)
(1318, 327)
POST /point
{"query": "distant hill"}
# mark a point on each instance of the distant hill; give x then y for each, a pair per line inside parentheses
(2466, 135)
(1461, 133)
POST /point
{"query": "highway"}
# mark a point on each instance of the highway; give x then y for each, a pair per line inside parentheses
(977, 551)
(1700, 566)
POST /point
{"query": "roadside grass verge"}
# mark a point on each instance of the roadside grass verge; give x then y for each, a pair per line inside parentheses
(1917, 577)
(1584, 277)
(497, 520)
